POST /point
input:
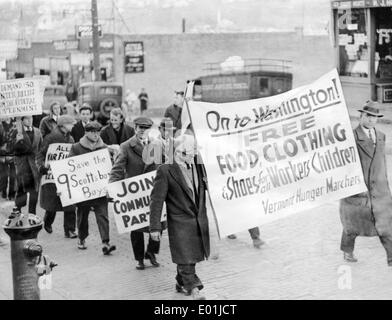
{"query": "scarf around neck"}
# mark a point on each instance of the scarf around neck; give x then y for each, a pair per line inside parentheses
(86, 143)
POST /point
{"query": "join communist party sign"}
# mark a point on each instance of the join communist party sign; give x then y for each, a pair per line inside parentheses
(272, 157)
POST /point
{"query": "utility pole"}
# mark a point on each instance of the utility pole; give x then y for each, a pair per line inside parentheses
(94, 16)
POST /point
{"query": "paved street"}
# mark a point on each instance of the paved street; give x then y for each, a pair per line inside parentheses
(301, 260)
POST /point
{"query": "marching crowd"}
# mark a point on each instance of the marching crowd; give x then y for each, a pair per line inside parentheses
(180, 182)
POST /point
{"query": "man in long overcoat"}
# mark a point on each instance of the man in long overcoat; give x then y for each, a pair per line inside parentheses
(49, 200)
(128, 164)
(182, 185)
(369, 213)
(25, 142)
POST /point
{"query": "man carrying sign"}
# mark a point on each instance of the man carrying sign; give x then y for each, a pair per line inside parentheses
(90, 143)
(49, 199)
(128, 164)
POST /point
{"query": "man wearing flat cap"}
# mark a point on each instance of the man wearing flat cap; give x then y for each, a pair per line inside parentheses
(90, 142)
(49, 200)
(174, 111)
(182, 186)
(129, 163)
(369, 213)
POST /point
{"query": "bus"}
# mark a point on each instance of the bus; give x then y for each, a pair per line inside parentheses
(256, 78)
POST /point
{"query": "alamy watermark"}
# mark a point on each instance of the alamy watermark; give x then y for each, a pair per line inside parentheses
(345, 277)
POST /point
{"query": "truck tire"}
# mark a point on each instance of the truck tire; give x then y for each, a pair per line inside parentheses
(107, 105)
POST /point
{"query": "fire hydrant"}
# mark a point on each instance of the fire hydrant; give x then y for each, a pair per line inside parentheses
(26, 254)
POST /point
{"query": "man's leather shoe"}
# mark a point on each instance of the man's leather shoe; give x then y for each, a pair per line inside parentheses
(232, 236)
(181, 289)
(152, 258)
(107, 248)
(82, 245)
(71, 235)
(48, 229)
(196, 295)
(349, 257)
(140, 265)
(257, 243)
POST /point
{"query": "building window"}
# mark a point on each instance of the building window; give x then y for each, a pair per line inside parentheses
(383, 55)
(264, 86)
(353, 43)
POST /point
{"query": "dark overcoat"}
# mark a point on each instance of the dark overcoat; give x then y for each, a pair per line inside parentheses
(25, 152)
(129, 163)
(187, 222)
(174, 113)
(108, 134)
(49, 200)
(369, 213)
(46, 125)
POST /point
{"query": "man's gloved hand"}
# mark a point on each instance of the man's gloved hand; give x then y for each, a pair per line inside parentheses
(110, 199)
(156, 235)
(43, 170)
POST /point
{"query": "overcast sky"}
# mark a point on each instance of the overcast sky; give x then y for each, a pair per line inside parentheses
(56, 19)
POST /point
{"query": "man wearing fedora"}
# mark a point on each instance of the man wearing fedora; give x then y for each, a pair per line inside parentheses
(161, 150)
(49, 200)
(369, 213)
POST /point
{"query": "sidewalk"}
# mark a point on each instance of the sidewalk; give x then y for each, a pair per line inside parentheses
(301, 260)
(385, 108)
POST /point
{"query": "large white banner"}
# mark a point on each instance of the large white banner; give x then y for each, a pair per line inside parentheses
(131, 202)
(20, 97)
(56, 151)
(83, 177)
(272, 157)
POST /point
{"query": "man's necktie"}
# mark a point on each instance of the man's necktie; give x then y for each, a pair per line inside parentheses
(372, 136)
(194, 184)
